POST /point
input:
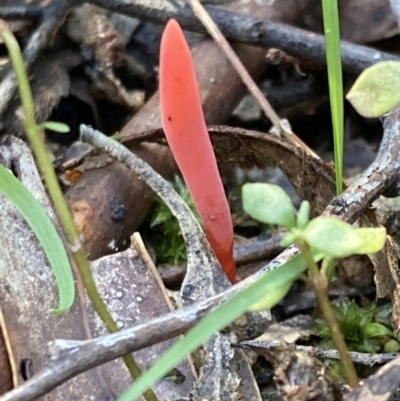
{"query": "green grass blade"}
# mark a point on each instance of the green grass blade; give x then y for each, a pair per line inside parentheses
(215, 321)
(46, 233)
(333, 58)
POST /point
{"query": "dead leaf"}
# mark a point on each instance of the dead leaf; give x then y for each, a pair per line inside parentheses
(131, 287)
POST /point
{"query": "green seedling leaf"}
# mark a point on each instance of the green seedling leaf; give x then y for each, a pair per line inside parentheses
(271, 299)
(215, 321)
(373, 239)
(375, 330)
(303, 215)
(268, 204)
(55, 126)
(392, 346)
(337, 239)
(44, 230)
(377, 90)
(288, 239)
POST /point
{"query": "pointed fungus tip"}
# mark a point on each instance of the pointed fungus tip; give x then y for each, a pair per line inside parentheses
(188, 138)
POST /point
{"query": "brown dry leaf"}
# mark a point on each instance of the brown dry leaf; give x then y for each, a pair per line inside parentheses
(131, 287)
(128, 282)
(93, 30)
(50, 82)
(312, 178)
(28, 288)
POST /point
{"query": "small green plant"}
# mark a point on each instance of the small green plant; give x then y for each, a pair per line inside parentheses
(270, 204)
(327, 236)
(168, 242)
(377, 90)
(360, 328)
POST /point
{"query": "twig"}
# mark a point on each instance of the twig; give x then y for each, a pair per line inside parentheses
(39, 40)
(69, 358)
(248, 29)
(362, 358)
(21, 13)
(380, 178)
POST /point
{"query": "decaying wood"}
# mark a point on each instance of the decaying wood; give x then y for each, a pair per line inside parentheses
(28, 12)
(252, 30)
(129, 285)
(220, 90)
(8, 371)
(28, 291)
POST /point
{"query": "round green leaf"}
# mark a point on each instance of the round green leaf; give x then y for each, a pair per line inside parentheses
(337, 239)
(392, 346)
(269, 204)
(373, 239)
(377, 90)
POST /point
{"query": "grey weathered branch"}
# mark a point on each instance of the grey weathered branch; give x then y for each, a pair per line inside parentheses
(380, 178)
(251, 30)
(362, 358)
(29, 12)
(237, 27)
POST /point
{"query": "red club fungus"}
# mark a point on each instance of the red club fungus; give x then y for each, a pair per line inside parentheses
(188, 138)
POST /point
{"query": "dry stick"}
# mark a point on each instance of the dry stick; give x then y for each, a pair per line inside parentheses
(251, 30)
(238, 27)
(21, 13)
(357, 357)
(69, 358)
(281, 127)
(382, 177)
